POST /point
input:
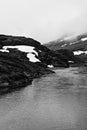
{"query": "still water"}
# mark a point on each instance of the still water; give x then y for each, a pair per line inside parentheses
(54, 102)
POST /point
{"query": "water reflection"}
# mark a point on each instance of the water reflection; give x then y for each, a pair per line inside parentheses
(54, 102)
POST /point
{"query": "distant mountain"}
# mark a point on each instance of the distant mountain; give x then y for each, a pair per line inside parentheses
(77, 45)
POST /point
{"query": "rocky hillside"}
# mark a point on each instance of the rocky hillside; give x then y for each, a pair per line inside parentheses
(77, 46)
(77, 43)
(23, 59)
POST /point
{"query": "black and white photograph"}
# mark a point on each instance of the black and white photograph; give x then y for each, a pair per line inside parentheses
(43, 64)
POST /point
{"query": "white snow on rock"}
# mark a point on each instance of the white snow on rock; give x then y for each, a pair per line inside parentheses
(84, 39)
(3, 50)
(79, 52)
(71, 61)
(23, 48)
(29, 49)
(50, 66)
(71, 43)
(64, 45)
(32, 57)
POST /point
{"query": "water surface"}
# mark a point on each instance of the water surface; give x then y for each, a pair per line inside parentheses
(54, 102)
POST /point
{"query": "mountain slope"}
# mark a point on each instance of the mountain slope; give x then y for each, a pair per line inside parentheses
(23, 59)
(78, 46)
(78, 43)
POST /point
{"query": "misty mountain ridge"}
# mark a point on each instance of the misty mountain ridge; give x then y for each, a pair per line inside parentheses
(76, 43)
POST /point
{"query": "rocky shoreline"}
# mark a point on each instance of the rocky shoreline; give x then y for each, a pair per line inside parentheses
(17, 70)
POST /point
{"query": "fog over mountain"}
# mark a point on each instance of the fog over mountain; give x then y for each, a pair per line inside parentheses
(43, 20)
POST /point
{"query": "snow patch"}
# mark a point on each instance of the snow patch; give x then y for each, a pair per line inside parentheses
(84, 39)
(71, 61)
(50, 66)
(32, 57)
(3, 50)
(23, 48)
(64, 45)
(79, 52)
(72, 43)
(29, 49)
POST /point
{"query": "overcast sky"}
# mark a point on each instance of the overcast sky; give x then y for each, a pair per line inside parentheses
(43, 20)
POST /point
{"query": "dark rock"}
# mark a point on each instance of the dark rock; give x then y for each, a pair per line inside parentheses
(17, 70)
(45, 55)
(67, 56)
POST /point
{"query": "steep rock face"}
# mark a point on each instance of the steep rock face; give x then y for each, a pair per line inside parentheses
(19, 67)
